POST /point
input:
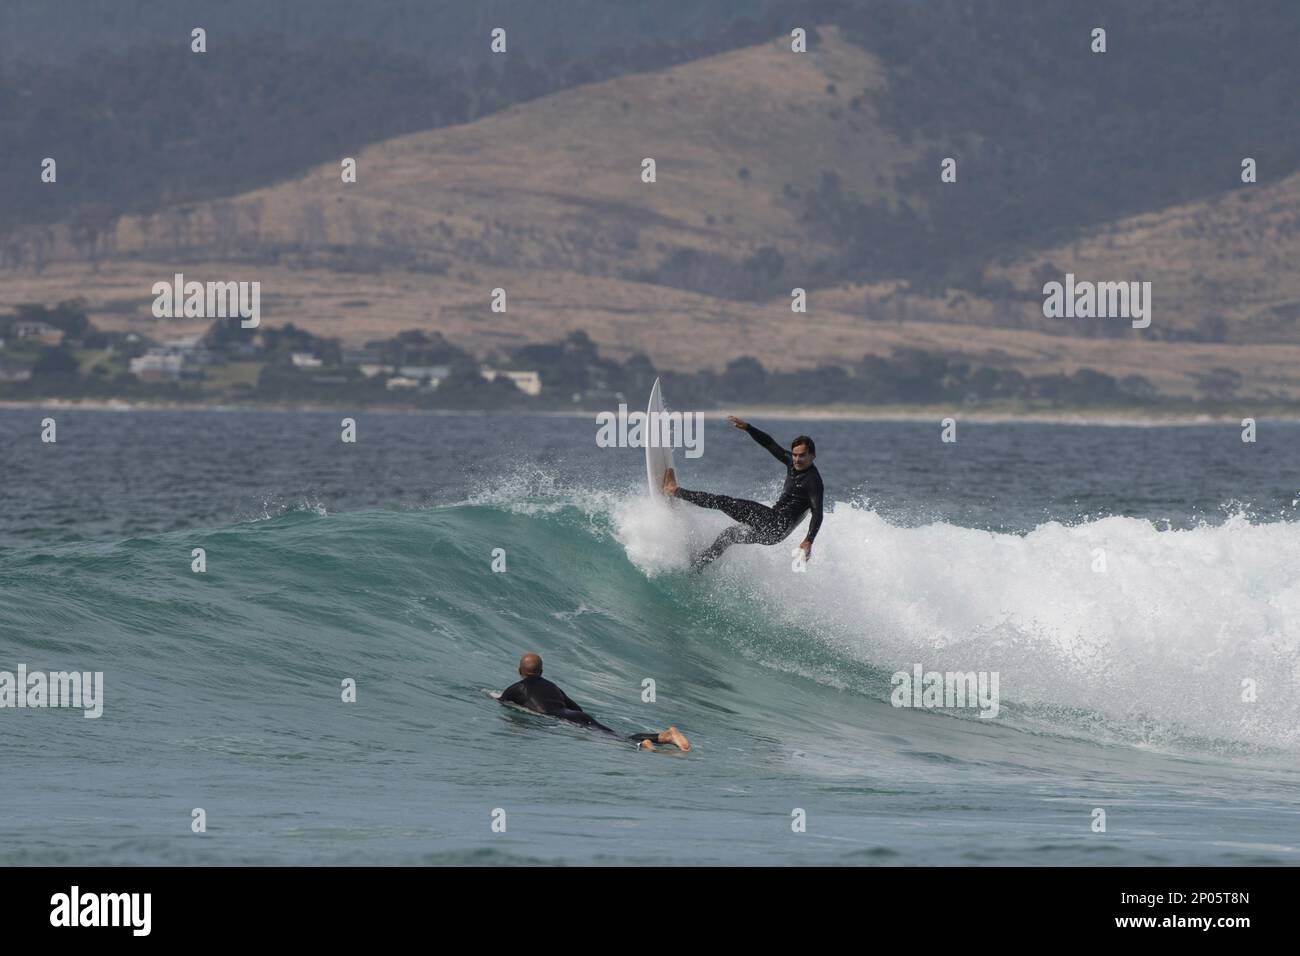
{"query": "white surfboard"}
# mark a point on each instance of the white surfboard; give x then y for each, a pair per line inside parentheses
(657, 460)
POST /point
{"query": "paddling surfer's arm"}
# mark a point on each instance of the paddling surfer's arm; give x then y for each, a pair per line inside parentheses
(764, 439)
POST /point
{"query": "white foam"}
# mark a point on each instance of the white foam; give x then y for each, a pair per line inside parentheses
(654, 533)
(1159, 643)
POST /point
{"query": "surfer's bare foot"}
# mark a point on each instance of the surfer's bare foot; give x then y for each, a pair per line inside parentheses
(645, 745)
(670, 483)
(674, 736)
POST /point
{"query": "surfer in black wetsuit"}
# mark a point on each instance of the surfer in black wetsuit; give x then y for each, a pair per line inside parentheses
(539, 695)
(760, 524)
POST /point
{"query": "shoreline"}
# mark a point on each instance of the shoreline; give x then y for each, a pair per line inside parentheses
(1135, 417)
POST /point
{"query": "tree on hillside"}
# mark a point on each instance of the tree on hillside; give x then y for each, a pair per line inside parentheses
(55, 362)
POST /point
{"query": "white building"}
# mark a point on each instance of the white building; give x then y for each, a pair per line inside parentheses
(433, 372)
(158, 365)
(530, 383)
(183, 343)
(45, 334)
(188, 347)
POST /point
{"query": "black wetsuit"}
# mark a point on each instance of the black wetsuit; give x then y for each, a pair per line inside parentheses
(542, 697)
(760, 524)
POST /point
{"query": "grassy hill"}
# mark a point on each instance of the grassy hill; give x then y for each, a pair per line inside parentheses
(770, 166)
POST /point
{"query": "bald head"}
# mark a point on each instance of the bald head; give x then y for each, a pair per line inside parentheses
(530, 665)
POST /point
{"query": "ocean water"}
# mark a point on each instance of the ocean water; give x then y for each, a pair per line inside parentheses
(1120, 690)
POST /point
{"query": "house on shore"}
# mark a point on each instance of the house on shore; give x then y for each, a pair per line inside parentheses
(528, 382)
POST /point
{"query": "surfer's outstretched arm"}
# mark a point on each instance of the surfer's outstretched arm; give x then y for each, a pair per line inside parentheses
(766, 440)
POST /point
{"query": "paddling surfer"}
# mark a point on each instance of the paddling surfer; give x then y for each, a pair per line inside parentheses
(534, 692)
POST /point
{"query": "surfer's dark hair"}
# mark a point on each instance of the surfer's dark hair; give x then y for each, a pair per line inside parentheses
(804, 440)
